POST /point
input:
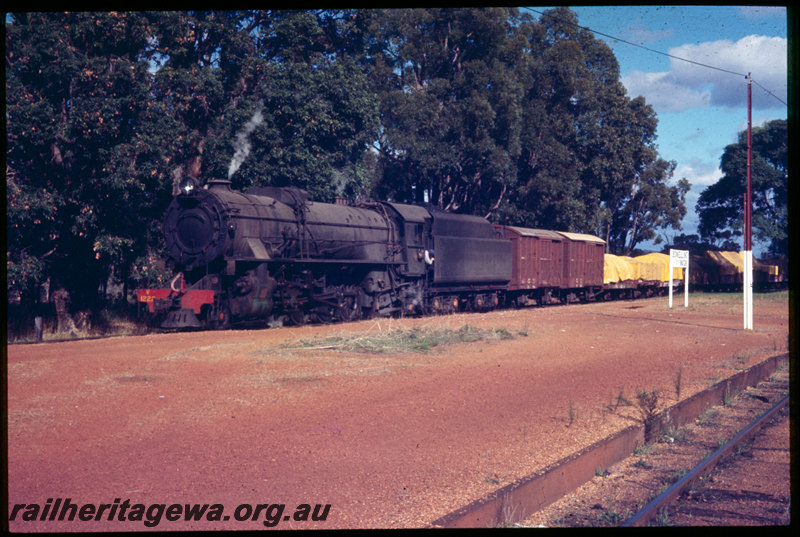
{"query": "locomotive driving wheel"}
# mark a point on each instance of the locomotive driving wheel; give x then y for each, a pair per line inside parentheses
(296, 317)
(347, 310)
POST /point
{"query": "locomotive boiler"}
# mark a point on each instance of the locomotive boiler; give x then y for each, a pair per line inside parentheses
(273, 255)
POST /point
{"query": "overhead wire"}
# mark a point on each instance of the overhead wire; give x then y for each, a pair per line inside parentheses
(768, 92)
(699, 64)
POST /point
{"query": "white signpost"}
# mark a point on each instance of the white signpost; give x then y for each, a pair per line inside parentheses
(679, 259)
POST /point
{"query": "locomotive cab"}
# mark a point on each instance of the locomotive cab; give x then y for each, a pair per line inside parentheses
(414, 230)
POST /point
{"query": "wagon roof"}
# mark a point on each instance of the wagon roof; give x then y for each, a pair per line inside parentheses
(582, 237)
(530, 232)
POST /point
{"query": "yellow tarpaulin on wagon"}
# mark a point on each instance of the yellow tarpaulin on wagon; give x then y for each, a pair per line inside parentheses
(727, 262)
(771, 270)
(618, 269)
(733, 262)
(635, 267)
(662, 262)
(651, 267)
(648, 269)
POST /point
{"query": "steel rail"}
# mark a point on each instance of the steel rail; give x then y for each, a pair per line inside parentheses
(651, 509)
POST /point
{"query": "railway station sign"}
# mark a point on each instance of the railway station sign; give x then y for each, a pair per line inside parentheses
(679, 259)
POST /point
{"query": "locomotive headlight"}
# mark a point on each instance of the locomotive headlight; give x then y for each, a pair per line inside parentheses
(188, 184)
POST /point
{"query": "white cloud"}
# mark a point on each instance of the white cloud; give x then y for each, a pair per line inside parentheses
(664, 92)
(699, 175)
(692, 85)
(762, 57)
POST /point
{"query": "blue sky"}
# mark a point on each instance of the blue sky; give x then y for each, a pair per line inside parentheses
(700, 110)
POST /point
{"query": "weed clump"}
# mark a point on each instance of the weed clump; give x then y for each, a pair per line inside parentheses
(647, 405)
(404, 341)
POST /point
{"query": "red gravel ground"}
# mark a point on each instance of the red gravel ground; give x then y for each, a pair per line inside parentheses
(388, 440)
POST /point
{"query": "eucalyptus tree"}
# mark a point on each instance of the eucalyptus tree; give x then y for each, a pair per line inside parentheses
(721, 206)
(77, 93)
(450, 106)
(308, 115)
(588, 160)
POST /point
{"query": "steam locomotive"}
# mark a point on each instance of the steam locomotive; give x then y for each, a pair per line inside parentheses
(272, 255)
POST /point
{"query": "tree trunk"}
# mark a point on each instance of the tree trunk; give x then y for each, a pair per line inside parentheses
(61, 301)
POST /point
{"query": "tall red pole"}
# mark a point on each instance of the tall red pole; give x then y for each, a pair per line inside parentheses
(748, 241)
(747, 282)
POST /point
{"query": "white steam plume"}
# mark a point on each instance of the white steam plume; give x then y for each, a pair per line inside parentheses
(242, 143)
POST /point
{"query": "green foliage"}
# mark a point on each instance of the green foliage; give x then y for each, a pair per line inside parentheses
(450, 104)
(76, 91)
(720, 205)
(319, 121)
(589, 161)
(482, 111)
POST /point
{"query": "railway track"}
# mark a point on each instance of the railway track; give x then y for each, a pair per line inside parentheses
(695, 499)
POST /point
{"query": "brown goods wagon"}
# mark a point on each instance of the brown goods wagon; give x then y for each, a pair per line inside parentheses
(536, 257)
(583, 260)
